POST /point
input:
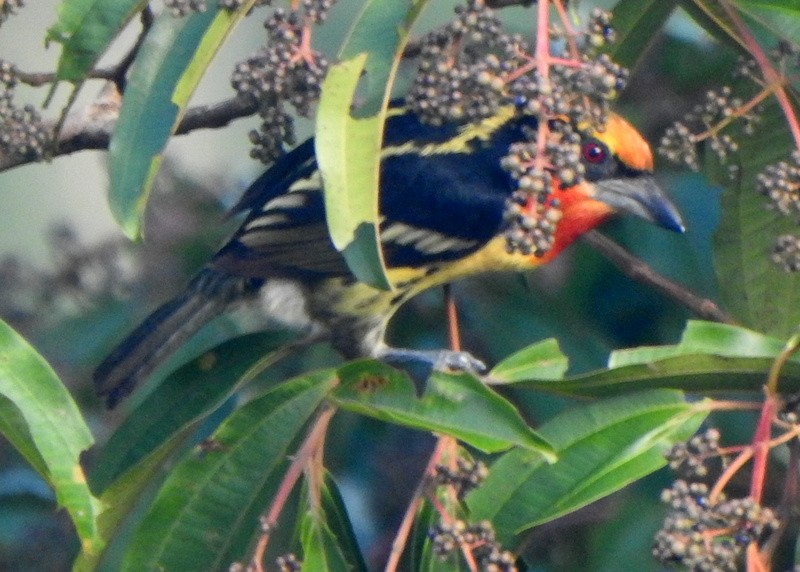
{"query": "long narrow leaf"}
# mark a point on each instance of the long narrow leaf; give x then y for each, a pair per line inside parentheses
(710, 357)
(348, 149)
(86, 28)
(208, 507)
(163, 77)
(636, 23)
(601, 448)
(54, 432)
(458, 405)
(187, 396)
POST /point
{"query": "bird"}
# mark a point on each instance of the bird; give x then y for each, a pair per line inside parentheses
(442, 196)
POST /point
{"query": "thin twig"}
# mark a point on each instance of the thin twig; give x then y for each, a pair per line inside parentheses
(403, 532)
(641, 272)
(120, 71)
(452, 318)
(789, 349)
(305, 454)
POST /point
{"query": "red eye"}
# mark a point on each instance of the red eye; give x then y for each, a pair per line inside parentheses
(593, 153)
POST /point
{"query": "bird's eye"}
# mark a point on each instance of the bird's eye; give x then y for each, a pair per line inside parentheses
(594, 153)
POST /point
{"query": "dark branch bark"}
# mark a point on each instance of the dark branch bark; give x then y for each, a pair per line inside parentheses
(642, 272)
(92, 128)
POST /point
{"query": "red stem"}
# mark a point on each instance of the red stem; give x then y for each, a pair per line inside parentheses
(452, 318)
(761, 447)
(306, 453)
(401, 538)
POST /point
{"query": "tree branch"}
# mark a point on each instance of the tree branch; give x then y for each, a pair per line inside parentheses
(92, 127)
(642, 272)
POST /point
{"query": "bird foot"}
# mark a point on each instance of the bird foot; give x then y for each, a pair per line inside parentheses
(419, 364)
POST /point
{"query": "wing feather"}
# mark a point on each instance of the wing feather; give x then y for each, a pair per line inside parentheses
(435, 207)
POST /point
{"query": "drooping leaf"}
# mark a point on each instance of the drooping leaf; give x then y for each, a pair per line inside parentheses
(381, 30)
(340, 525)
(120, 499)
(766, 19)
(710, 357)
(782, 17)
(348, 149)
(458, 405)
(86, 28)
(542, 360)
(170, 64)
(636, 23)
(184, 398)
(207, 510)
(711, 16)
(348, 152)
(321, 551)
(44, 423)
(601, 448)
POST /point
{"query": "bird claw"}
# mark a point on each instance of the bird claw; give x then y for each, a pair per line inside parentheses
(459, 361)
(419, 364)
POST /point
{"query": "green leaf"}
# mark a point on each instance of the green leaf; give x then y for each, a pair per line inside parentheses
(636, 23)
(348, 149)
(184, 398)
(771, 19)
(120, 498)
(758, 293)
(321, 552)
(86, 28)
(542, 360)
(43, 421)
(710, 15)
(381, 30)
(14, 428)
(207, 510)
(348, 152)
(780, 17)
(601, 448)
(710, 357)
(457, 405)
(338, 522)
(166, 71)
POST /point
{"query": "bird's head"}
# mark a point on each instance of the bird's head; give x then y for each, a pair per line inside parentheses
(618, 178)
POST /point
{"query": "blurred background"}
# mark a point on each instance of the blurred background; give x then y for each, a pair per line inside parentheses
(73, 286)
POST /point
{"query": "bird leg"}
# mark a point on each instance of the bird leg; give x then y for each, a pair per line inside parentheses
(419, 364)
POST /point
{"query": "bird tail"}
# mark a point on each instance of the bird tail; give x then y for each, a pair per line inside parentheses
(165, 330)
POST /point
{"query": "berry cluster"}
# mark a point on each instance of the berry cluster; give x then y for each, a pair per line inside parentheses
(286, 71)
(462, 68)
(471, 68)
(10, 8)
(467, 475)
(288, 563)
(446, 538)
(780, 182)
(790, 409)
(702, 534)
(690, 459)
(531, 216)
(598, 29)
(179, 8)
(785, 55)
(22, 132)
(786, 253)
(705, 122)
